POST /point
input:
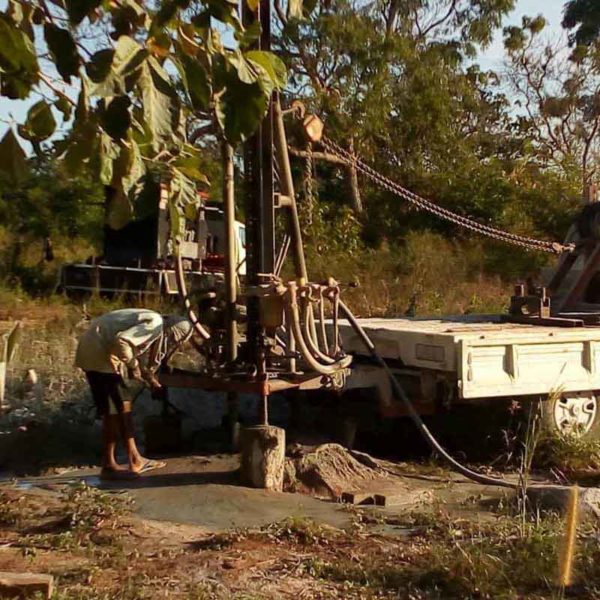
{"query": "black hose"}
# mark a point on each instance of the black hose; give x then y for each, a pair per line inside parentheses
(413, 414)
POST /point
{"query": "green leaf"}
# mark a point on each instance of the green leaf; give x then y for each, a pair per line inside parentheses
(195, 80)
(239, 106)
(40, 123)
(183, 201)
(109, 152)
(13, 162)
(249, 36)
(19, 70)
(63, 49)
(190, 167)
(120, 210)
(78, 10)
(160, 104)
(129, 55)
(225, 11)
(122, 73)
(22, 14)
(272, 64)
(65, 107)
(115, 117)
(99, 66)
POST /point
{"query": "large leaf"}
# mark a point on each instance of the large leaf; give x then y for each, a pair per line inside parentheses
(11, 341)
(196, 82)
(115, 117)
(99, 66)
(239, 106)
(13, 162)
(183, 201)
(64, 51)
(80, 9)
(272, 64)
(118, 76)
(19, 69)
(40, 123)
(160, 104)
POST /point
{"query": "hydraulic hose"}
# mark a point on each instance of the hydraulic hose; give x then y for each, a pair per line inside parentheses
(310, 333)
(413, 414)
(182, 289)
(293, 318)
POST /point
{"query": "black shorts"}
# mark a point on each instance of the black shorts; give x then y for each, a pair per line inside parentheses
(109, 391)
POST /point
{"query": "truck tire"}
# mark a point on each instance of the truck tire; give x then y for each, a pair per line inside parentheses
(571, 413)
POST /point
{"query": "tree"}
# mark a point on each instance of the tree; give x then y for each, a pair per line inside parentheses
(559, 96)
(131, 77)
(584, 17)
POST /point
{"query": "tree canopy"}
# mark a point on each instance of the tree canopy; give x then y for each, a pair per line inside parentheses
(132, 78)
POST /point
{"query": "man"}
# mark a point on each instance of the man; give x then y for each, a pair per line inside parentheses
(126, 344)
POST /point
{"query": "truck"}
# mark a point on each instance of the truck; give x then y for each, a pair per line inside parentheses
(139, 259)
(546, 350)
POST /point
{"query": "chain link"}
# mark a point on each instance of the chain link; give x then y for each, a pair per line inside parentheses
(308, 181)
(442, 213)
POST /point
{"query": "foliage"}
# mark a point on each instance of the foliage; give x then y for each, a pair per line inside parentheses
(584, 17)
(406, 99)
(141, 72)
(558, 99)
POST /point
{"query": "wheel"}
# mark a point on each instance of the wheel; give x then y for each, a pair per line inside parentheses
(571, 413)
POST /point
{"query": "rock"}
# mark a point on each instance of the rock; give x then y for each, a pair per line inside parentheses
(25, 585)
(556, 497)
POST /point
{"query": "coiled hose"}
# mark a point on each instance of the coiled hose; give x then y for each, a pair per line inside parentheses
(413, 414)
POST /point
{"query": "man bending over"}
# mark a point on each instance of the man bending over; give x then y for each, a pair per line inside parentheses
(120, 345)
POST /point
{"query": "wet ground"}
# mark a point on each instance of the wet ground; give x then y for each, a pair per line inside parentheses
(204, 491)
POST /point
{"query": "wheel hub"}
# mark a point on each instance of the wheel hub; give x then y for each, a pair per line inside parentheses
(575, 413)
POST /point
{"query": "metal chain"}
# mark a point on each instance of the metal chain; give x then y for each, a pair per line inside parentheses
(308, 181)
(443, 213)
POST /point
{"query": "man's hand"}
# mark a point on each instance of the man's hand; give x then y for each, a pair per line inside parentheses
(151, 380)
(136, 373)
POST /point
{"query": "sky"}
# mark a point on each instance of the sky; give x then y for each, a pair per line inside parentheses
(490, 58)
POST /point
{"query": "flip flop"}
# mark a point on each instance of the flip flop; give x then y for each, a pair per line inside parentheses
(152, 465)
(112, 475)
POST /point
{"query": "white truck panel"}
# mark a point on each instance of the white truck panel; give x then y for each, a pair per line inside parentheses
(488, 357)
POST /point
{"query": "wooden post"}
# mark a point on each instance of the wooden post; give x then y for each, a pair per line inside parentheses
(263, 457)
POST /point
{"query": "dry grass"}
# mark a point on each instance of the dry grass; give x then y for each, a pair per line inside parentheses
(427, 275)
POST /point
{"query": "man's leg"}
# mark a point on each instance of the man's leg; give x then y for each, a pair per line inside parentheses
(135, 459)
(110, 432)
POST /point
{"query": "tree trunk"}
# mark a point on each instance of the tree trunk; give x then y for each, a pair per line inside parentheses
(263, 457)
(354, 190)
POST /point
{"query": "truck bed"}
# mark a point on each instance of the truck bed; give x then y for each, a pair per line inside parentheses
(489, 358)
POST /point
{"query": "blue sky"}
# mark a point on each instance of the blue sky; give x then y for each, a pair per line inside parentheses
(491, 58)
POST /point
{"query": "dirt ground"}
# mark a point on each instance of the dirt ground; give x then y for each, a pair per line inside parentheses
(190, 531)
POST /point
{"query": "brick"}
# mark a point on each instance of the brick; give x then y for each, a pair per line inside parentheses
(25, 585)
